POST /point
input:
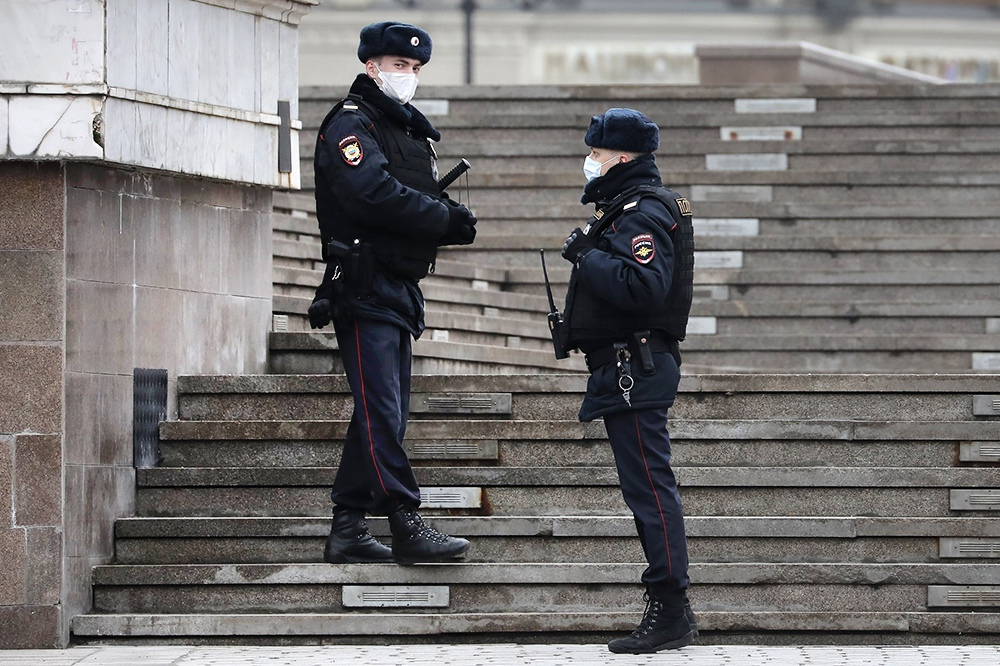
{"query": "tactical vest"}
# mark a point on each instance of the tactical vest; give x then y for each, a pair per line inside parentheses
(591, 318)
(411, 162)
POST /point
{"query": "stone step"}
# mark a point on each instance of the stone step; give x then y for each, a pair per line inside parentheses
(262, 397)
(316, 353)
(782, 627)
(510, 587)
(730, 452)
(569, 539)
(812, 491)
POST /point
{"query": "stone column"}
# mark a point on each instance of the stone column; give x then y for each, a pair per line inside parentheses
(140, 141)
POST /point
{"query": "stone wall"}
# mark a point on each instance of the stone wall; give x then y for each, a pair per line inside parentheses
(32, 287)
(105, 270)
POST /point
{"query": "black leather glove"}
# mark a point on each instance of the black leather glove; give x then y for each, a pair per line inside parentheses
(461, 225)
(577, 244)
(320, 313)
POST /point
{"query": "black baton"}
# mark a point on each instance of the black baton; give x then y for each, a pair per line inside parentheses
(453, 175)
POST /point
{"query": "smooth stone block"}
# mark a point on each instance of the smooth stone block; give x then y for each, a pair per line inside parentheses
(969, 547)
(749, 162)
(732, 193)
(975, 500)
(986, 361)
(396, 596)
(99, 327)
(993, 325)
(963, 596)
(776, 105)
(786, 133)
(986, 405)
(979, 452)
(433, 107)
(719, 259)
(727, 226)
(702, 326)
(432, 497)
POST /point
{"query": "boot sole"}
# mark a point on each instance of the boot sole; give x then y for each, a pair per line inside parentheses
(675, 644)
(407, 561)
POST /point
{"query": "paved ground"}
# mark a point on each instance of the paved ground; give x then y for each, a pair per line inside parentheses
(501, 655)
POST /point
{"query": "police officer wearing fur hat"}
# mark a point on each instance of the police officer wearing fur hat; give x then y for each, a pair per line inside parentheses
(626, 309)
(382, 217)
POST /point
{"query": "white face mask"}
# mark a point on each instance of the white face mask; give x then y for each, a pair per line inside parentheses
(592, 168)
(399, 86)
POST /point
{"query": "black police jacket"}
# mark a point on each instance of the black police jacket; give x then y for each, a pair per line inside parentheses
(639, 277)
(375, 181)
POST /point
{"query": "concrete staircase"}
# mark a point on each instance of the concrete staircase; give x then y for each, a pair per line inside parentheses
(821, 508)
(841, 229)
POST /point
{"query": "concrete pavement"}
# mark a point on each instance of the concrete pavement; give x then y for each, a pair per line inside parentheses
(503, 655)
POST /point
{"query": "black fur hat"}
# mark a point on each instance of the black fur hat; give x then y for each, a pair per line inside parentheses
(396, 39)
(623, 129)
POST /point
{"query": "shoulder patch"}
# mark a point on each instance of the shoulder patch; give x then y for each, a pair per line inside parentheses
(643, 248)
(684, 205)
(350, 150)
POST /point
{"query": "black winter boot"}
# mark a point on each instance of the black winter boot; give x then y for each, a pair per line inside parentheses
(350, 542)
(665, 626)
(413, 542)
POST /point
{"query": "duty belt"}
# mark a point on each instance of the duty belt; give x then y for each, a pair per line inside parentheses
(604, 355)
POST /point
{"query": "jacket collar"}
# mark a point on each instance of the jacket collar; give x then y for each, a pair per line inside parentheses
(406, 115)
(640, 171)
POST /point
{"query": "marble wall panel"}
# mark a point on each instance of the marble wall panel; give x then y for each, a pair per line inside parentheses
(99, 407)
(268, 65)
(31, 206)
(53, 126)
(4, 121)
(153, 42)
(184, 63)
(177, 246)
(288, 82)
(150, 140)
(98, 327)
(37, 485)
(31, 388)
(72, 32)
(31, 295)
(99, 236)
(123, 48)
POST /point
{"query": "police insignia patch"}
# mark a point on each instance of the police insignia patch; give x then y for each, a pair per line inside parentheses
(350, 150)
(643, 248)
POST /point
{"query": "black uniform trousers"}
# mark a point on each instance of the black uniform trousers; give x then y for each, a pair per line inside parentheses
(641, 446)
(375, 475)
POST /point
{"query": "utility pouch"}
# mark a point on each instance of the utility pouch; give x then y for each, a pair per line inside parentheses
(641, 342)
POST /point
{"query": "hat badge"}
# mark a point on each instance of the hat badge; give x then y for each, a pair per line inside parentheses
(415, 40)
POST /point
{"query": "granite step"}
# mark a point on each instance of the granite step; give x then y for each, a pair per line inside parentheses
(780, 628)
(571, 539)
(520, 587)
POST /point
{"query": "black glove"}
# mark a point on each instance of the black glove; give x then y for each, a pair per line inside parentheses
(320, 313)
(577, 244)
(461, 225)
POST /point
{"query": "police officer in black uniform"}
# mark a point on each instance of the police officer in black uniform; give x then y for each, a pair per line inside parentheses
(626, 309)
(382, 217)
